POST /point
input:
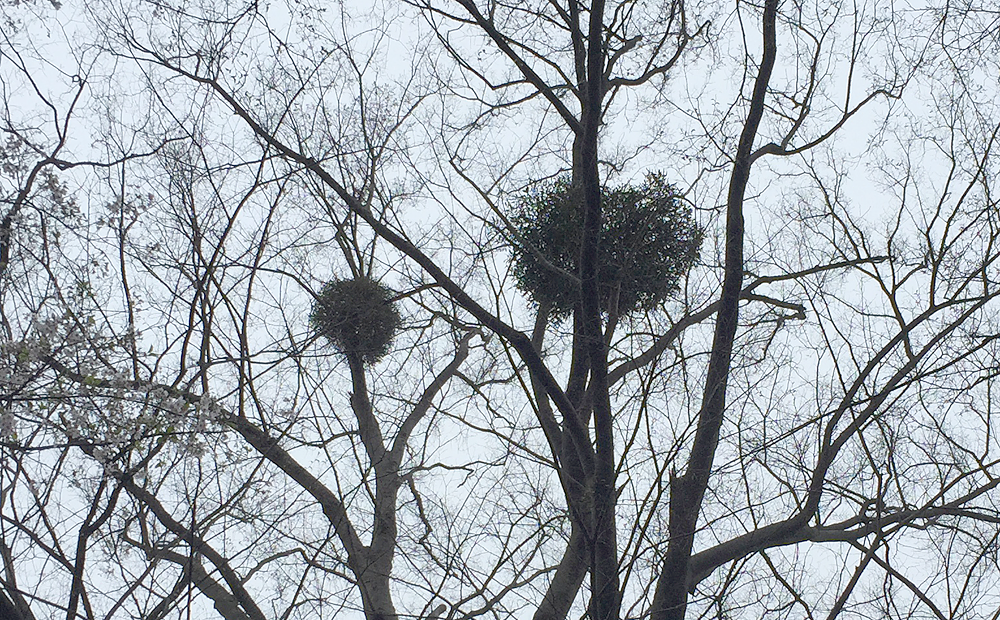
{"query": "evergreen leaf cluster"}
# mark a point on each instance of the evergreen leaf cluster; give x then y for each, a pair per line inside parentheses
(649, 240)
(357, 317)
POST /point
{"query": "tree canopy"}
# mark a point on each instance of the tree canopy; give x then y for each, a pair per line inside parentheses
(478, 309)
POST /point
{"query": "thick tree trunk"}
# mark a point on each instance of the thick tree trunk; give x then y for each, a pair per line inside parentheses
(567, 581)
(687, 491)
(605, 600)
(374, 566)
(376, 597)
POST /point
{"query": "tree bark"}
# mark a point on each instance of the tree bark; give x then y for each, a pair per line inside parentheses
(567, 581)
(688, 491)
(605, 601)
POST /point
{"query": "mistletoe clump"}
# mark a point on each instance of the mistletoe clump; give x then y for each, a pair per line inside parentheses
(357, 317)
(649, 239)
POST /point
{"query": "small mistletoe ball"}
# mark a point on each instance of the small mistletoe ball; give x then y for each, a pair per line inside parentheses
(649, 240)
(357, 317)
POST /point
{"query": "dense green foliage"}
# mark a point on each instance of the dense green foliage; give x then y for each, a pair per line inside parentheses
(649, 239)
(357, 317)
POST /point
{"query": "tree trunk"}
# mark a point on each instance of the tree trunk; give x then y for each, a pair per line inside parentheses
(688, 491)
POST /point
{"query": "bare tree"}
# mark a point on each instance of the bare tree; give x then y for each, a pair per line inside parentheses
(801, 424)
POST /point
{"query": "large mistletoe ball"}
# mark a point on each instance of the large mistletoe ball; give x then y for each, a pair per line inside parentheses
(357, 317)
(649, 239)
